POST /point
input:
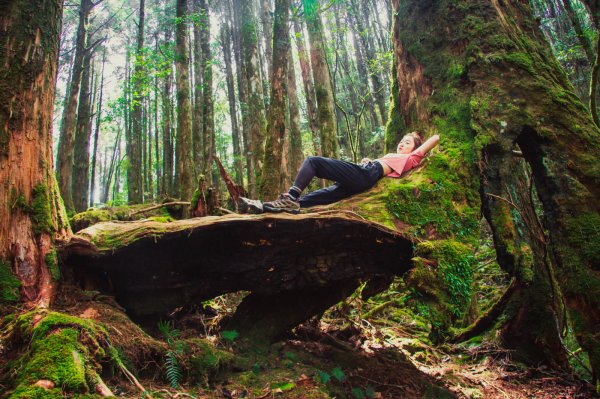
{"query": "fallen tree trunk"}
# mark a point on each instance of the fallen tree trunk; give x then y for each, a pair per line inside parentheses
(153, 268)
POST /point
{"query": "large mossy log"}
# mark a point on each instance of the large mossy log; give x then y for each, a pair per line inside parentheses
(153, 267)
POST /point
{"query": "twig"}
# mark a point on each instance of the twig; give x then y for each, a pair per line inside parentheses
(227, 211)
(159, 206)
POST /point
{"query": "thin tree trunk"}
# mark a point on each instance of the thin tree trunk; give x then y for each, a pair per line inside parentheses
(295, 156)
(64, 163)
(197, 122)
(81, 145)
(271, 173)
(135, 153)
(309, 89)
(208, 127)
(322, 80)
(235, 131)
(111, 167)
(256, 106)
(242, 83)
(168, 149)
(97, 131)
(183, 147)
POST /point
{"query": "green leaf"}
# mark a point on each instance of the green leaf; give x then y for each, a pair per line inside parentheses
(230, 335)
(358, 393)
(338, 374)
(323, 376)
(370, 391)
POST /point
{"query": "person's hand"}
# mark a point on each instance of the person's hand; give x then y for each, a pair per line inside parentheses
(365, 161)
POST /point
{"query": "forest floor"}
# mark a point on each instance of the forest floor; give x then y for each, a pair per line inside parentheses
(342, 355)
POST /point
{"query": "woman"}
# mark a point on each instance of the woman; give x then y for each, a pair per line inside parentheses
(350, 178)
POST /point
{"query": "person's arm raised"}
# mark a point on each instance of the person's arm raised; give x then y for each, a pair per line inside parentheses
(429, 144)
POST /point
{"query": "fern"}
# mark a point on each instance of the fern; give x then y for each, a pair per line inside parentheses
(172, 368)
(173, 371)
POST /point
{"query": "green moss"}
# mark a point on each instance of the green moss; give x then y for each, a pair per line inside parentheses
(203, 361)
(162, 219)
(58, 358)
(41, 212)
(52, 264)
(584, 234)
(35, 392)
(9, 284)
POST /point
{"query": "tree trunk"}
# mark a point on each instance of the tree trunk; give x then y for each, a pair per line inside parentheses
(64, 164)
(135, 152)
(295, 134)
(256, 107)
(208, 127)
(235, 21)
(502, 94)
(197, 122)
(309, 89)
(167, 129)
(183, 147)
(32, 216)
(322, 80)
(270, 182)
(235, 130)
(97, 131)
(81, 145)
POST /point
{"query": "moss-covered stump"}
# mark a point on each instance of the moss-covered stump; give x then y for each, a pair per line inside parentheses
(92, 216)
(60, 355)
(153, 268)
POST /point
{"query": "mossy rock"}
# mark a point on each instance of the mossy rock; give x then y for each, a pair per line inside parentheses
(203, 361)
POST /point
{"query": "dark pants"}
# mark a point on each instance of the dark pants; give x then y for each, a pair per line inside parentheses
(349, 179)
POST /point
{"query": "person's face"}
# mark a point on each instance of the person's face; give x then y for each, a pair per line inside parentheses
(406, 145)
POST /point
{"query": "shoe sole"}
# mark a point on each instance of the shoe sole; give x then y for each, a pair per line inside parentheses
(280, 210)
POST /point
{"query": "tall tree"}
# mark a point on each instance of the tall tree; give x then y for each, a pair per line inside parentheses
(295, 157)
(32, 216)
(226, 41)
(472, 100)
(208, 127)
(183, 147)
(81, 145)
(97, 130)
(255, 116)
(135, 180)
(197, 120)
(309, 88)
(322, 80)
(270, 183)
(64, 164)
(167, 125)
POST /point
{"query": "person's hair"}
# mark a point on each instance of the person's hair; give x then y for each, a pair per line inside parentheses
(417, 138)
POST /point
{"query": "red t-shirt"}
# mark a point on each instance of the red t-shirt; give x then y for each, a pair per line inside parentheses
(401, 163)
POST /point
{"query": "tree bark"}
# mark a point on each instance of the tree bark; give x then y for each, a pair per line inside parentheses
(32, 215)
(226, 34)
(81, 144)
(64, 163)
(295, 134)
(197, 122)
(208, 125)
(167, 128)
(322, 80)
(309, 88)
(271, 174)
(502, 95)
(135, 145)
(183, 146)
(97, 131)
(256, 107)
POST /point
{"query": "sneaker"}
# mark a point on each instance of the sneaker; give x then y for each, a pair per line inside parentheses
(285, 203)
(247, 205)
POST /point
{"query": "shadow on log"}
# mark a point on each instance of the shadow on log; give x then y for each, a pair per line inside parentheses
(303, 263)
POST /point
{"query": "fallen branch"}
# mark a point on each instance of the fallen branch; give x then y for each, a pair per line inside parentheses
(175, 203)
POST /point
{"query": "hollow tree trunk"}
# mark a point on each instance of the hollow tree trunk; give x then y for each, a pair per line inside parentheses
(32, 215)
(481, 72)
